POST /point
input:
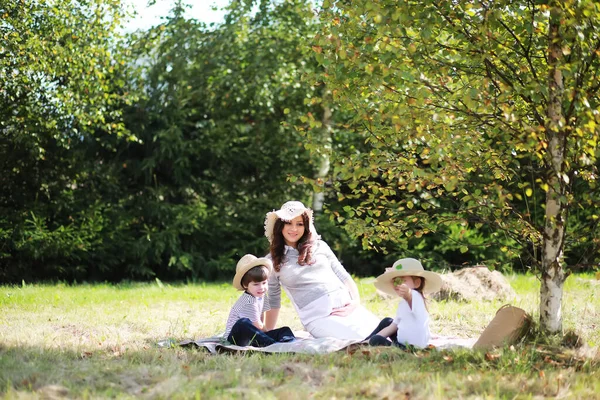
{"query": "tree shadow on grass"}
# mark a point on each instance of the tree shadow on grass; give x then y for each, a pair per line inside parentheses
(178, 372)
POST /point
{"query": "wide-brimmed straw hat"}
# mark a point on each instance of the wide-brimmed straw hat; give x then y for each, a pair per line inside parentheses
(288, 212)
(408, 267)
(245, 264)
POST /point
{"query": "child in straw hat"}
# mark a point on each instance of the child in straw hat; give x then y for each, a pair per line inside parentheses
(245, 325)
(410, 281)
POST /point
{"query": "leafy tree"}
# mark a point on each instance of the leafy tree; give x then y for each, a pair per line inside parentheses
(479, 113)
(59, 85)
(209, 153)
(215, 144)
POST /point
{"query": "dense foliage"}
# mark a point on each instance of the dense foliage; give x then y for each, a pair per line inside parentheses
(476, 117)
(159, 153)
(62, 79)
(213, 149)
(162, 163)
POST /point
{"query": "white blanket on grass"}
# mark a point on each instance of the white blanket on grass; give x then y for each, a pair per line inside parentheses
(304, 344)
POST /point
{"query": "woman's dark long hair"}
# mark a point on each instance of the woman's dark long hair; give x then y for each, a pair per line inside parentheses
(305, 243)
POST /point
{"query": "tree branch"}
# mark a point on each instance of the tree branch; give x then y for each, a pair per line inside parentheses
(525, 51)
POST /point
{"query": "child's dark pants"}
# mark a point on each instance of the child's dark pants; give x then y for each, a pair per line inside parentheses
(383, 324)
(378, 340)
(244, 333)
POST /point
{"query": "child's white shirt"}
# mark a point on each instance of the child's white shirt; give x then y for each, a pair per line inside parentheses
(413, 324)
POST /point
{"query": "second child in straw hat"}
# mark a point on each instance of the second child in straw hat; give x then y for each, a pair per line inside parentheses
(245, 325)
(407, 279)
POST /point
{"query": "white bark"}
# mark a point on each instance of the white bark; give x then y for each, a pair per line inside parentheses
(551, 292)
(324, 162)
(552, 274)
(318, 201)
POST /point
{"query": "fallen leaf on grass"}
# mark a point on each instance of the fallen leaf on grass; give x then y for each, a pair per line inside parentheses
(549, 360)
(353, 348)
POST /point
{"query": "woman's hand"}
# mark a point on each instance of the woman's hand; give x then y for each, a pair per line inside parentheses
(271, 319)
(345, 310)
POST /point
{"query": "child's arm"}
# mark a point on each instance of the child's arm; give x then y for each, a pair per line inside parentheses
(406, 293)
(259, 325)
(388, 330)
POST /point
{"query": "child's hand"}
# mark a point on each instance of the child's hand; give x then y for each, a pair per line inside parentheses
(259, 325)
(404, 292)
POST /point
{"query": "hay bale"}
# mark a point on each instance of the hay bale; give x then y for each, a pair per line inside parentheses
(474, 283)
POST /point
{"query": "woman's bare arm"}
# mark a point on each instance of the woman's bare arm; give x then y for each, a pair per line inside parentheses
(271, 317)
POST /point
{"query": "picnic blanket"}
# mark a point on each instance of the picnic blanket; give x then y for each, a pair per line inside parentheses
(304, 344)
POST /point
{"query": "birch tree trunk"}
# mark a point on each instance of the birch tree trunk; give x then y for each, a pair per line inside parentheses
(324, 162)
(552, 273)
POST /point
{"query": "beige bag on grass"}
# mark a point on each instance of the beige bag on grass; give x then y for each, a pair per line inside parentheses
(508, 326)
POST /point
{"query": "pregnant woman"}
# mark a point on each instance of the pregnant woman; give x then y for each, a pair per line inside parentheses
(323, 293)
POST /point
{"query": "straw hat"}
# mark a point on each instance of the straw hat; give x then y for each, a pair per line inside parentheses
(245, 264)
(288, 212)
(408, 267)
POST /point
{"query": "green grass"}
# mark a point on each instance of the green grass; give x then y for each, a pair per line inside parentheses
(99, 341)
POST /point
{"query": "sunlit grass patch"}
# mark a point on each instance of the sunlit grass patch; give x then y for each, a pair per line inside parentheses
(91, 341)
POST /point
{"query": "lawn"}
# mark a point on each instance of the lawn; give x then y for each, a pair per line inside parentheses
(100, 341)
